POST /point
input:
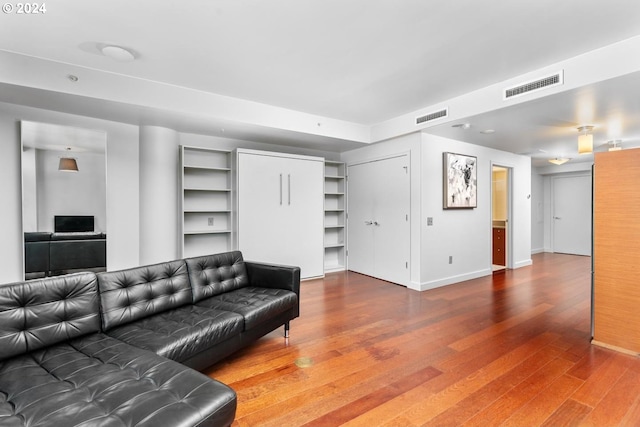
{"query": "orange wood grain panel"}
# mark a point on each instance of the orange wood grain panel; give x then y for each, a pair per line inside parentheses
(617, 249)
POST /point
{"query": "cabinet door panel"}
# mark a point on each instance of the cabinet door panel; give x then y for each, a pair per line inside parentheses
(260, 208)
(304, 215)
(280, 211)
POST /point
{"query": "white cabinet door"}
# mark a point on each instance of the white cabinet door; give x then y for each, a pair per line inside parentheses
(280, 210)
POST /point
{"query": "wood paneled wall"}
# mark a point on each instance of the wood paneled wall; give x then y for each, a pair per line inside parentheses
(617, 250)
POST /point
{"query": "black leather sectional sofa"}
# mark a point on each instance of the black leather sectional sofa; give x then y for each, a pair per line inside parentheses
(117, 348)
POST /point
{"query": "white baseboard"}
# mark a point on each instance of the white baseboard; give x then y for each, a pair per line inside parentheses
(425, 286)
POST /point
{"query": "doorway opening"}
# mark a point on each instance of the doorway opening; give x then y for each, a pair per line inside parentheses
(500, 212)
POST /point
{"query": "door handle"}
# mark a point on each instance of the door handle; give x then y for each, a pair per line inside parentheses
(376, 223)
(280, 189)
(368, 222)
(556, 217)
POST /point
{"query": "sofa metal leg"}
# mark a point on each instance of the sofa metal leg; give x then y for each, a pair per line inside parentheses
(286, 330)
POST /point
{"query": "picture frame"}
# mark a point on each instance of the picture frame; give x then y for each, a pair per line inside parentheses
(460, 181)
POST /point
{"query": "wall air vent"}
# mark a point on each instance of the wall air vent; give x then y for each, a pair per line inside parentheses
(432, 116)
(535, 85)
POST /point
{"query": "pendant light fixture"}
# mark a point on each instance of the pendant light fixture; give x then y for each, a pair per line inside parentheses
(585, 140)
(68, 164)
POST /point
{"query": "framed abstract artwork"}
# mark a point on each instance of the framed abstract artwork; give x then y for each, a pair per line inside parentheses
(460, 181)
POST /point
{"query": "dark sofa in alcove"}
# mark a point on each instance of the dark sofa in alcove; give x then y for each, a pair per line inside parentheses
(56, 253)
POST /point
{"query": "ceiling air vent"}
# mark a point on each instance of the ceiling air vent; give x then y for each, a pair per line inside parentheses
(432, 116)
(532, 86)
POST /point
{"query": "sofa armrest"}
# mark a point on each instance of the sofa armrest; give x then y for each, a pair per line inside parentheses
(274, 276)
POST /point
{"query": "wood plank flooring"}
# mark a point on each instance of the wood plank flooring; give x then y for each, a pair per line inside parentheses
(510, 349)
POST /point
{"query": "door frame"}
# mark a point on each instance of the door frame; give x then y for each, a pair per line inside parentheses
(378, 159)
(509, 225)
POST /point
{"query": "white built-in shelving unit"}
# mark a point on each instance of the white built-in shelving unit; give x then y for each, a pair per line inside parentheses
(334, 216)
(206, 201)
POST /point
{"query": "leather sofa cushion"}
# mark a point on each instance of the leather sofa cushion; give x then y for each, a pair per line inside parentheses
(180, 333)
(216, 274)
(100, 381)
(256, 305)
(37, 236)
(136, 293)
(39, 313)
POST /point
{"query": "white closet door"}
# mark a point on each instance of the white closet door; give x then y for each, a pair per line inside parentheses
(378, 224)
(391, 220)
(280, 210)
(304, 215)
(360, 220)
(261, 207)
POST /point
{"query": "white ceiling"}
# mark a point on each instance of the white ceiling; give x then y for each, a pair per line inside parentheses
(359, 61)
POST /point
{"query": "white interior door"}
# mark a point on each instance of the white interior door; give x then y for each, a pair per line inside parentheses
(391, 219)
(378, 222)
(572, 215)
(360, 218)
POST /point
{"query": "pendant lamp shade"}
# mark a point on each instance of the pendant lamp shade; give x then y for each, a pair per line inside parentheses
(68, 164)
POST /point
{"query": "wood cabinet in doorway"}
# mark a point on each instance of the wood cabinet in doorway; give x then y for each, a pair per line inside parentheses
(499, 246)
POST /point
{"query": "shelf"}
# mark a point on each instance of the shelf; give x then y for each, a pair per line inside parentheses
(334, 245)
(217, 190)
(206, 201)
(207, 231)
(207, 211)
(207, 168)
(334, 215)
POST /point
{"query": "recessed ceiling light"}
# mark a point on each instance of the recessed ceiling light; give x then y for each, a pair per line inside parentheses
(488, 131)
(118, 53)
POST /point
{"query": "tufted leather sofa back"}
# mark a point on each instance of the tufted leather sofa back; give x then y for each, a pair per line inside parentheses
(40, 313)
(133, 294)
(216, 274)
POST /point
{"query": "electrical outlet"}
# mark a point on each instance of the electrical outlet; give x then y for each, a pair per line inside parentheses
(429, 221)
(210, 221)
(450, 259)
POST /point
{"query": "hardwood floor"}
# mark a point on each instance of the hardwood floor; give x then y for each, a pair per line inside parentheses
(510, 349)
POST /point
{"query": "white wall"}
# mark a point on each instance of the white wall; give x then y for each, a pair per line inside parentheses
(70, 193)
(537, 211)
(463, 234)
(30, 192)
(11, 256)
(159, 183)
(466, 234)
